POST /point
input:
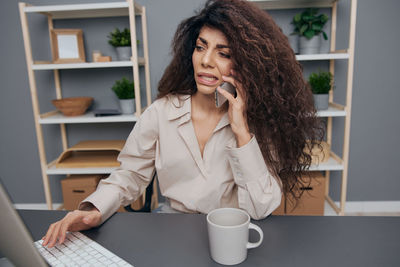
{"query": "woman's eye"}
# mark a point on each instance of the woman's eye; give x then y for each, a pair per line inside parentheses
(199, 48)
(225, 55)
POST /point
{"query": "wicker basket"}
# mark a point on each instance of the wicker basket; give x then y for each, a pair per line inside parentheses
(73, 106)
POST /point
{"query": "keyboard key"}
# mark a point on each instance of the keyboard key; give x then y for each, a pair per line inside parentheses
(92, 261)
(116, 259)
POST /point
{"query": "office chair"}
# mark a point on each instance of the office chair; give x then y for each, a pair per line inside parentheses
(147, 203)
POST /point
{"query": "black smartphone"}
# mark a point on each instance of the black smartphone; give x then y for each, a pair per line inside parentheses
(106, 112)
(220, 99)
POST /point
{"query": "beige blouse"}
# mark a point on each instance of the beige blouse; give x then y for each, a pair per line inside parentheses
(164, 139)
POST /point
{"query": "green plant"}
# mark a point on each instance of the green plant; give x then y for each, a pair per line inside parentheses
(120, 38)
(320, 82)
(309, 24)
(124, 89)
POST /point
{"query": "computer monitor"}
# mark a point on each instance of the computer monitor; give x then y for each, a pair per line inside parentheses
(16, 243)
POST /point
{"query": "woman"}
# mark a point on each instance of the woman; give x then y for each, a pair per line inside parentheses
(243, 154)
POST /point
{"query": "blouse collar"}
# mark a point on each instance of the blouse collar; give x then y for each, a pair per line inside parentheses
(180, 107)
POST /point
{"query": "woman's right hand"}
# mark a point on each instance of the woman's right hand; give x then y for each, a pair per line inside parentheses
(74, 221)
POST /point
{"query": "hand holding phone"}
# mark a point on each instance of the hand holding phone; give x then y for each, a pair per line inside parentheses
(219, 98)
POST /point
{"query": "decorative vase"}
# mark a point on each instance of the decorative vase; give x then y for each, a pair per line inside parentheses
(310, 46)
(124, 53)
(127, 106)
(321, 101)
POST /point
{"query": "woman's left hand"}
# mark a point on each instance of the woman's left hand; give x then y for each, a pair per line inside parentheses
(237, 111)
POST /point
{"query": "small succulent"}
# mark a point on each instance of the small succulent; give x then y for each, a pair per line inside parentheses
(124, 89)
(320, 82)
(120, 38)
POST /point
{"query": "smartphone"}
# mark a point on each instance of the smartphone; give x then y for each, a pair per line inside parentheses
(220, 99)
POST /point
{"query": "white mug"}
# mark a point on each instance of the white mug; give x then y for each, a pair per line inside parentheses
(228, 235)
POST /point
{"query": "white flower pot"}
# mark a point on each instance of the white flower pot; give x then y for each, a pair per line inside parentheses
(127, 106)
(124, 53)
(294, 42)
(321, 101)
(311, 46)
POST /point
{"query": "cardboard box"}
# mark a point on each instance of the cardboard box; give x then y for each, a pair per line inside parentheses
(312, 201)
(77, 187)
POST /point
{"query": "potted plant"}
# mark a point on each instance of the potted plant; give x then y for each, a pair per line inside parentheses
(121, 40)
(125, 91)
(321, 84)
(309, 27)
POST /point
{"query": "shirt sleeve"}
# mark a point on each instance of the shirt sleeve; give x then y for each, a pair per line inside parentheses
(259, 192)
(130, 180)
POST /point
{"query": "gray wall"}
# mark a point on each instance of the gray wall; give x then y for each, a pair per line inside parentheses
(375, 123)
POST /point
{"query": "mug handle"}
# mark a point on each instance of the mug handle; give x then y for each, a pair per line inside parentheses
(260, 232)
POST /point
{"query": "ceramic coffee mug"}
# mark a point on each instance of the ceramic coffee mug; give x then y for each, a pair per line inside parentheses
(228, 234)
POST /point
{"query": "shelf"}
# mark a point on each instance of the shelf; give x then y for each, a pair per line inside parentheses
(332, 164)
(85, 65)
(52, 170)
(96, 10)
(334, 110)
(327, 56)
(57, 118)
(286, 4)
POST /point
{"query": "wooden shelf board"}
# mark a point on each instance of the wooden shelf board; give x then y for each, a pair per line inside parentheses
(326, 56)
(85, 65)
(94, 10)
(286, 4)
(86, 118)
(331, 164)
(332, 111)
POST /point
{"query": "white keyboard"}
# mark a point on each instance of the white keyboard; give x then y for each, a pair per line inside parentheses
(79, 250)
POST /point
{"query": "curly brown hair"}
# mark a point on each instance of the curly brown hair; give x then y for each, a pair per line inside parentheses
(279, 103)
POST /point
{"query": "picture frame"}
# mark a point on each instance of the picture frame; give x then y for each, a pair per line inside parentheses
(67, 46)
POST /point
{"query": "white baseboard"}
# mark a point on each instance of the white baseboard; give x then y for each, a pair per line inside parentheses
(35, 206)
(372, 206)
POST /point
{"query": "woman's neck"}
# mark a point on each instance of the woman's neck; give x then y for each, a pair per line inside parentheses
(205, 104)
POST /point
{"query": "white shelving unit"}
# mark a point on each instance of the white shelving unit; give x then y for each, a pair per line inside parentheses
(56, 117)
(334, 163)
(287, 4)
(129, 9)
(88, 65)
(322, 56)
(84, 10)
(52, 170)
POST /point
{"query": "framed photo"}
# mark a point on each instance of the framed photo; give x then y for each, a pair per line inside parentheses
(67, 45)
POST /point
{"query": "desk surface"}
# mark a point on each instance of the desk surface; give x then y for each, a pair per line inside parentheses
(181, 239)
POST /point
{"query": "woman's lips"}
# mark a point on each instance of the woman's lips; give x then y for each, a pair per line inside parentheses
(207, 79)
